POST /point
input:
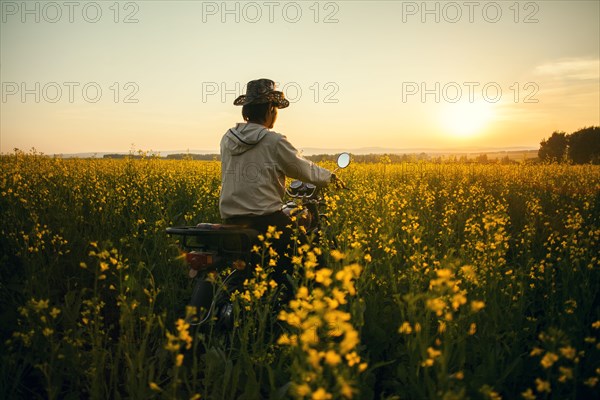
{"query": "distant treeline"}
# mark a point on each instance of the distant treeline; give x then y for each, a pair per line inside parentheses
(580, 147)
(182, 156)
(483, 158)
(120, 156)
(187, 156)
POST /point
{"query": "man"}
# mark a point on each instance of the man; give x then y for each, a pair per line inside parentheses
(254, 163)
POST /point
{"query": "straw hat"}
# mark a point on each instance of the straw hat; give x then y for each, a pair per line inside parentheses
(262, 91)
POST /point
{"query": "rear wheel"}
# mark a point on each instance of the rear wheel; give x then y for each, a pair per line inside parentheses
(202, 297)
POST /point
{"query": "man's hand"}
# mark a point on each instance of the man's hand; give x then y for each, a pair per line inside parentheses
(337, 182)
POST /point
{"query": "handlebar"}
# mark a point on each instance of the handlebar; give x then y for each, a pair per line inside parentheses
(307, 191)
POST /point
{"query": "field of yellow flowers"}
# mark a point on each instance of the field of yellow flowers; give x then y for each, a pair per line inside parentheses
(448, 281)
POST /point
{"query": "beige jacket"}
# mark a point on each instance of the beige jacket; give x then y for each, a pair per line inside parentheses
(254, 164)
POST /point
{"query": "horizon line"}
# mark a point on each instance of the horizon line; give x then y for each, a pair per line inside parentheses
(309, 151)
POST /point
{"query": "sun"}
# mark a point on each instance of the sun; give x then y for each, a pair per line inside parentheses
(466, 119)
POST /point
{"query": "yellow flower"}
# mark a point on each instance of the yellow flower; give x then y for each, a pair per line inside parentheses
(332, 358)
(458, 300)
(477, 305)
(444, 273)
(272, 232)
(417, 327)
(433, 353)
(184, 335)
(468, 273)
(352, 358)
(302, 390)
(339, 296)
(591, 382)
(427, 363)
(405, 328)
(548, 360)
(39, 305)
(542, 385)
(179, 360)
(311, 260)
(321, 394)
(346, 275)
(291, 318)
(565, 374)
(287, 340)
(314, 358)
(528, 394)
(324, 276)
(436, 305)
(441, 327)
(155, 387)
(568, 352)
(535, 352)
(349, 342)
(272, 253)
(473, 329)
(54, 313)
(337, 255)
(346, 390)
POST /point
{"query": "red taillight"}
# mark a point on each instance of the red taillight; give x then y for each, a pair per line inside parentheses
(199, 260)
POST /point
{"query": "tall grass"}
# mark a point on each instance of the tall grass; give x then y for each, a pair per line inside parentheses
(448, 281)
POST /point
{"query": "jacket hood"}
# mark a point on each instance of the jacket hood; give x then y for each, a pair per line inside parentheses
(243, 137)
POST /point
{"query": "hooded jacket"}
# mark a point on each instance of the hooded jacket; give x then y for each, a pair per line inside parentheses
(254, 164)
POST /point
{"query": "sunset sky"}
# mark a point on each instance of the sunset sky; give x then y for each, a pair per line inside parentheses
(155, 75)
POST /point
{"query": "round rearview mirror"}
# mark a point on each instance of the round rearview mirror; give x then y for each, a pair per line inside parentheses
(343, 160)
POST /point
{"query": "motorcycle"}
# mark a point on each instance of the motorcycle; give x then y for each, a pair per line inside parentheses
(211, 249)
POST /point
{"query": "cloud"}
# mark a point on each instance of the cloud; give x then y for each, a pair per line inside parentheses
(573, 69)
(569, 83)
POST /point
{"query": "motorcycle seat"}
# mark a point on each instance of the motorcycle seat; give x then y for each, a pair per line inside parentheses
(204, 229)
(218, 227)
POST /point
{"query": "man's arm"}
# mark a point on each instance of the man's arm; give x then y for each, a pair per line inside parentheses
(297, 167)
